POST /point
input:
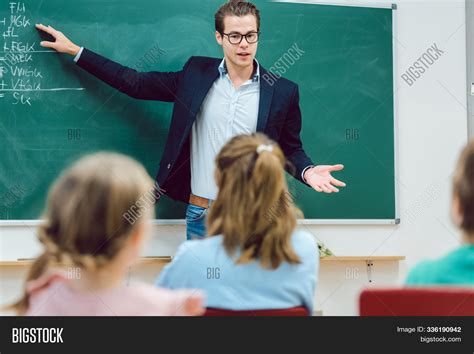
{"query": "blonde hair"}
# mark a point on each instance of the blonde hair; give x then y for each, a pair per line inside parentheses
(85, 221)
(463, 188)
(254, 210)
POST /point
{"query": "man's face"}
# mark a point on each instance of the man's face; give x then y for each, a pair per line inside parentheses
(243, 54)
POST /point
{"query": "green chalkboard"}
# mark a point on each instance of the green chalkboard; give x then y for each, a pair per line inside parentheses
(52, 112)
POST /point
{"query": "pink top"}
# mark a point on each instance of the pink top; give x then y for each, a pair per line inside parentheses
(51, 295)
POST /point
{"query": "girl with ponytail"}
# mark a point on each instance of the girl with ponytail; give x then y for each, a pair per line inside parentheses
(254, 257)
(96, 223)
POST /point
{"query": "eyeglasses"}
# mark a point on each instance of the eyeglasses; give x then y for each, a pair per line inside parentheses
(236, 38)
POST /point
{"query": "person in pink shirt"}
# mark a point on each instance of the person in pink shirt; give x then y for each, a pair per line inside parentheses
(95, 224)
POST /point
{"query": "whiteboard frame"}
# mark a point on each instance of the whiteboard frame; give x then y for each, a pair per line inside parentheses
(395, 221)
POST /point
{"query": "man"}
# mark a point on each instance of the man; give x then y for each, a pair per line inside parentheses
(215, 99)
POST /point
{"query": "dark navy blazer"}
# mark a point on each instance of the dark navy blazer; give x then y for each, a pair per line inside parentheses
(279, 114)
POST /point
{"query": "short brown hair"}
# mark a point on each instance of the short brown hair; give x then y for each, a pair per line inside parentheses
(235, 8)
(463, 188)
(254, 211)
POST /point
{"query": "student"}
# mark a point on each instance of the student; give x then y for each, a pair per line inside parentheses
(89, 225)
(457, 267)
(254, 258)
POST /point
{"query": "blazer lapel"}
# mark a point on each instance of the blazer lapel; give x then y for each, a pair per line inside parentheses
(206, 81)
(266, 94)
(211, 75)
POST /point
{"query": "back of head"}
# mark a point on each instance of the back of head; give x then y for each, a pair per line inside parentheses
(85, 221)
(254, 210)
(463, 190)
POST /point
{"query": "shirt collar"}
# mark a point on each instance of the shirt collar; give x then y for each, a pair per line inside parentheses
(223, 70)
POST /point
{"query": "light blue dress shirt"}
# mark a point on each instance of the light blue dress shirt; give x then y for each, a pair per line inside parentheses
(204, 264)
(78, 55)
(225, 112)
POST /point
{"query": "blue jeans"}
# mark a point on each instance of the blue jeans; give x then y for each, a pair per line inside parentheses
(195, 222)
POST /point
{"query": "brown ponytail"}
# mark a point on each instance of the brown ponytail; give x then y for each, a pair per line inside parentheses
(254, 210)
(37, 269)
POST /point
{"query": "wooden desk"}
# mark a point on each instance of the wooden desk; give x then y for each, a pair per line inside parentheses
(167, 259)
(156, 260)
(369, 261)
(362, 258)
(22, 262)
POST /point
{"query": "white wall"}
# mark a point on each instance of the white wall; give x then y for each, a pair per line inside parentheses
(470, 61)
(432, 122)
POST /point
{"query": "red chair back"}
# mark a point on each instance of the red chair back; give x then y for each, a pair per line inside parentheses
(293, 311)
(417, 302)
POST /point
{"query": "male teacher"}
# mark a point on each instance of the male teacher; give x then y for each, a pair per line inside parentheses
(214, 100)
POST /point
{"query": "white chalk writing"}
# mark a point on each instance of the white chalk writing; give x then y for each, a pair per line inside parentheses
(21, 76)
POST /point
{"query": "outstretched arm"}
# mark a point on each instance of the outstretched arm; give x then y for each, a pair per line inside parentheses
(154, 85)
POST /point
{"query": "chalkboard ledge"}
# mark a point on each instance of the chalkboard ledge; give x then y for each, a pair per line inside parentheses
(170, 222)
(167, 259)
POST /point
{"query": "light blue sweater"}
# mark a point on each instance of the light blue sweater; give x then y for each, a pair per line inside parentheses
(204, 264)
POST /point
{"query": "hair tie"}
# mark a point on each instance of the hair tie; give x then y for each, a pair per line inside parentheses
(261, 148)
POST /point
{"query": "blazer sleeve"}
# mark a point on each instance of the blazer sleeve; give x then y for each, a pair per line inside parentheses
(154, 85)
(290, 140)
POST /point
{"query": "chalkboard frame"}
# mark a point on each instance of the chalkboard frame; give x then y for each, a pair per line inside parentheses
(395, 221)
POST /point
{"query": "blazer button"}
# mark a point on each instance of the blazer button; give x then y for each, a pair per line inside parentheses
(169, 166)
